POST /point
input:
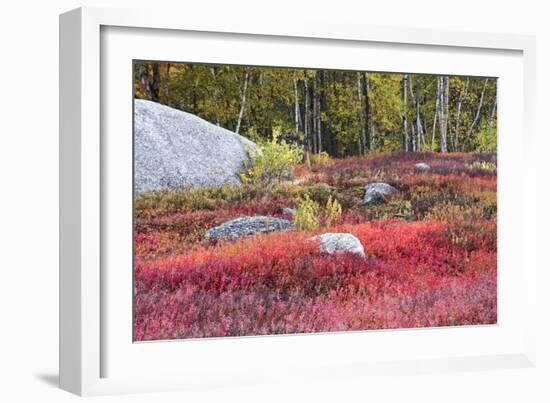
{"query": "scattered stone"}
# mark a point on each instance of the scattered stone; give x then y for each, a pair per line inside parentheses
(376, 193)
(174, 149)
(289, 211)
(422, 167)
(247, 226)
(332, 243)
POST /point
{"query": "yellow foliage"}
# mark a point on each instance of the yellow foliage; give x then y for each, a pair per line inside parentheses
(321, 159)
(333, 210)
(306, 215)
(488, 167)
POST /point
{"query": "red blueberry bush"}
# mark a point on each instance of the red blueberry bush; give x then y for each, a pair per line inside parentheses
(430, 254)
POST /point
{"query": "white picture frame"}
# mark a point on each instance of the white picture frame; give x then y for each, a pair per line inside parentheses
(96, 355)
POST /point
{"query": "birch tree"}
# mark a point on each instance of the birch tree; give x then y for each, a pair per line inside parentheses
(243, 100)
(296, 109)
(478, 112)
(436, 111)
(364, 142)
(419, 128)
(443, 112)
(340, 112)
(307, 131)
(461, 97)
(404, 114)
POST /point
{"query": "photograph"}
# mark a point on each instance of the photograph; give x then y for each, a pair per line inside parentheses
(294, 200)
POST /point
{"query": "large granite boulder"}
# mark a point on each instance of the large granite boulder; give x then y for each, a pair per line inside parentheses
(339, 242)
(422, 167)
(376, 193)
(173, 149)
(247, 226)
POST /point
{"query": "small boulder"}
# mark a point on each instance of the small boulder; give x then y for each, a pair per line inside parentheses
(376, 193)
(247, 226)
(289, 211)
(332, 243)
(422, 167)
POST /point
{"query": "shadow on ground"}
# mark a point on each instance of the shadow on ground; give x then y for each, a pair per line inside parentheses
(49, 379)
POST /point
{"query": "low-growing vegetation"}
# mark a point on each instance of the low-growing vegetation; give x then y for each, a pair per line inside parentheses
(430, 249)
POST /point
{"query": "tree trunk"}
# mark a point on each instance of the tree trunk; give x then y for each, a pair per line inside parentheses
(167, 81)
(243, 100)
(368, 142)
(419, 128)
(150, 83)
(436, 112)
(307, 131)
(362, 135)
(314, 116)
(317, 113)
(443, 112)
(494, 109)
(447, 114)
(463, 94)
(404, 116)
(143, 77)
(413, 138)
(476, 118)
(414, 143)
(296, 110)
(215, 93)
(155, 83)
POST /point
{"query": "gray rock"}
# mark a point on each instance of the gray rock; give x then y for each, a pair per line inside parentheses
(247, 226)
(422, 167)
(174, 149)
(289, 211)
(376, 193)
(332, 243)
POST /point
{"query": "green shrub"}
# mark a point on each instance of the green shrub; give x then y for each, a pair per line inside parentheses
(272, 164)
(333, 210)
(488, 202)
(451, 213)
(486, 139)
(319, 192)
(395, 207)
(306, 215)
(207, 198)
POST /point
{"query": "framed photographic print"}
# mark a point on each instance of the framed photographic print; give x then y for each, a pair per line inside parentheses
(243, 204)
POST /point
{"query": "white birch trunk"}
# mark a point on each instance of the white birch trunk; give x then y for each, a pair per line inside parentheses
(243, 101)
(494, 110)
(318, 114)
(436, 112)
(404, 118)
(476, 118)
(361, 142)
(419, 128)
(307, 117)
(463, 94)
(443, 111)
(296, 110)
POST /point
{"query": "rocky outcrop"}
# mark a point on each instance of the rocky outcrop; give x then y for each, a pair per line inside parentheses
(173, 149)
(422, 167)
(247, 226)
(289, 211)
(339, 242)
(376, 193)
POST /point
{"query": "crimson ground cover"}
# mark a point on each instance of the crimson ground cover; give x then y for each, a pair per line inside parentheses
(430, 254)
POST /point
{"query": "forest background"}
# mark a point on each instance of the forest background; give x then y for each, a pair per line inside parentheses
(341, 113)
